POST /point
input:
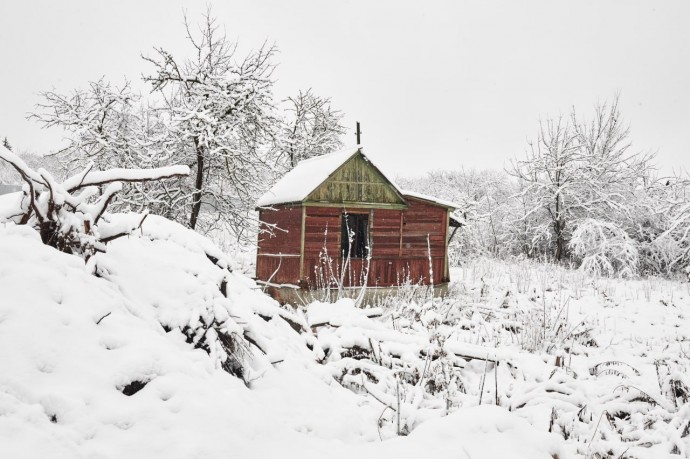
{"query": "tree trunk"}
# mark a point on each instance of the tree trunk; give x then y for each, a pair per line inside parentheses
(196, 196)
(558, 225)
(559, 241)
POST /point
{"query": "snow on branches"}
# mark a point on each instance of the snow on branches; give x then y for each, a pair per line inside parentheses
(604, 248)
(71, 216)
(311, 128)
(102, 122)
(212, 110)
(580, 169)
(221, 119)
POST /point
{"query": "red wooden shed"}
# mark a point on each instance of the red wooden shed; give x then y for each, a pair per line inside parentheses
(337, 220)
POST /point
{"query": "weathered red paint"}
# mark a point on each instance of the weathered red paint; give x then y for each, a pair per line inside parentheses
(401, 242)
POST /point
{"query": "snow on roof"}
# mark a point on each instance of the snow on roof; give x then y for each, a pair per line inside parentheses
(426, 197)
(296, 185)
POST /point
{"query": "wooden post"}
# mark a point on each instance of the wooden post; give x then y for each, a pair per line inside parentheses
(401, 234)
(301, 249)
(446, 268)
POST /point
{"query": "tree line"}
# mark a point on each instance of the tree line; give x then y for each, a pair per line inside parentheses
(580, 194)
(214, 111)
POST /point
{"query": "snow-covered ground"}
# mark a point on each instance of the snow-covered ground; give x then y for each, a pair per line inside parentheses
(125, 357)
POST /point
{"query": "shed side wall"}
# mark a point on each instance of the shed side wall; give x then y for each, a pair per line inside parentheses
(399, 246)
(278, 254)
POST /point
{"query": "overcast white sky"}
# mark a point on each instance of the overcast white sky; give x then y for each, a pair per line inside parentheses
(435, 84)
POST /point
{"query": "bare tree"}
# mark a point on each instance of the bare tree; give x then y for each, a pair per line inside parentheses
(212, 111)
(547, 176)
(111, 127)
(311, 128)
(221, 117)
(577, 170)
(101, 122)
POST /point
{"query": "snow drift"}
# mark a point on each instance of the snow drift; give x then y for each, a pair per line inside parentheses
(103, 361)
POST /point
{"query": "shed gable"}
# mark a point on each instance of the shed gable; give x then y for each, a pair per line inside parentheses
(357, 182)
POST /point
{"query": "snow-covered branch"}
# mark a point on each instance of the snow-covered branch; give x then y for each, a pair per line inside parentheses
(73, 222)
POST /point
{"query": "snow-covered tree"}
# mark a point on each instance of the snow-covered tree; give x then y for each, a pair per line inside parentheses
(664, 232)
(111, 127)
(547, 178)
(221, 116)
(311, 127)
(71, 215)
(212, 111)
(101, 123)
(579, 194)
(579, 169)
(604, 248)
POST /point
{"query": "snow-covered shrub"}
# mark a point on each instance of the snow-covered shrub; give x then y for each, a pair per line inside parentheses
(195, 291)
(341, 276)
(409, 369)
(658, 256)
(71, 216)
(604, 249)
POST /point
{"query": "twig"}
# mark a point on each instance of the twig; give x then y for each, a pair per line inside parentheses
(596, 429)
(280, 262)
(481, 390)
(99, 320)
(378, 421)
(496, 381)
(397, 390)
(377, 360)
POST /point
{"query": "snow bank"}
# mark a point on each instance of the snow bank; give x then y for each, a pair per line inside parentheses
(89, 370)
(488, 432)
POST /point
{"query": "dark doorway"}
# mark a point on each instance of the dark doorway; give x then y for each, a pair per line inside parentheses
(354, 235)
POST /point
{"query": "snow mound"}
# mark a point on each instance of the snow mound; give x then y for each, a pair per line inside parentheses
(112, 365)
(75, 351)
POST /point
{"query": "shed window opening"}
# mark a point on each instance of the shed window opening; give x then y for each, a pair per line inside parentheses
(354, 239)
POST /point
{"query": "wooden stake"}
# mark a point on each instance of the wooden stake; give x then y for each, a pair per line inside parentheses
(496, 381)
(481, 389)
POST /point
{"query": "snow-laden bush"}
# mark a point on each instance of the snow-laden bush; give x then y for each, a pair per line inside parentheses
(197, 292)
(604, 249)
(408, 369)
(71, 216)
(658, 256)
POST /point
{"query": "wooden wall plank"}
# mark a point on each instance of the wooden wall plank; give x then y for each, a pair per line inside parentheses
(286, 238)
(399, 244)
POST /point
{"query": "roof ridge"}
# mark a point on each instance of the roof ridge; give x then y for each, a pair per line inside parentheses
(333, 153)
